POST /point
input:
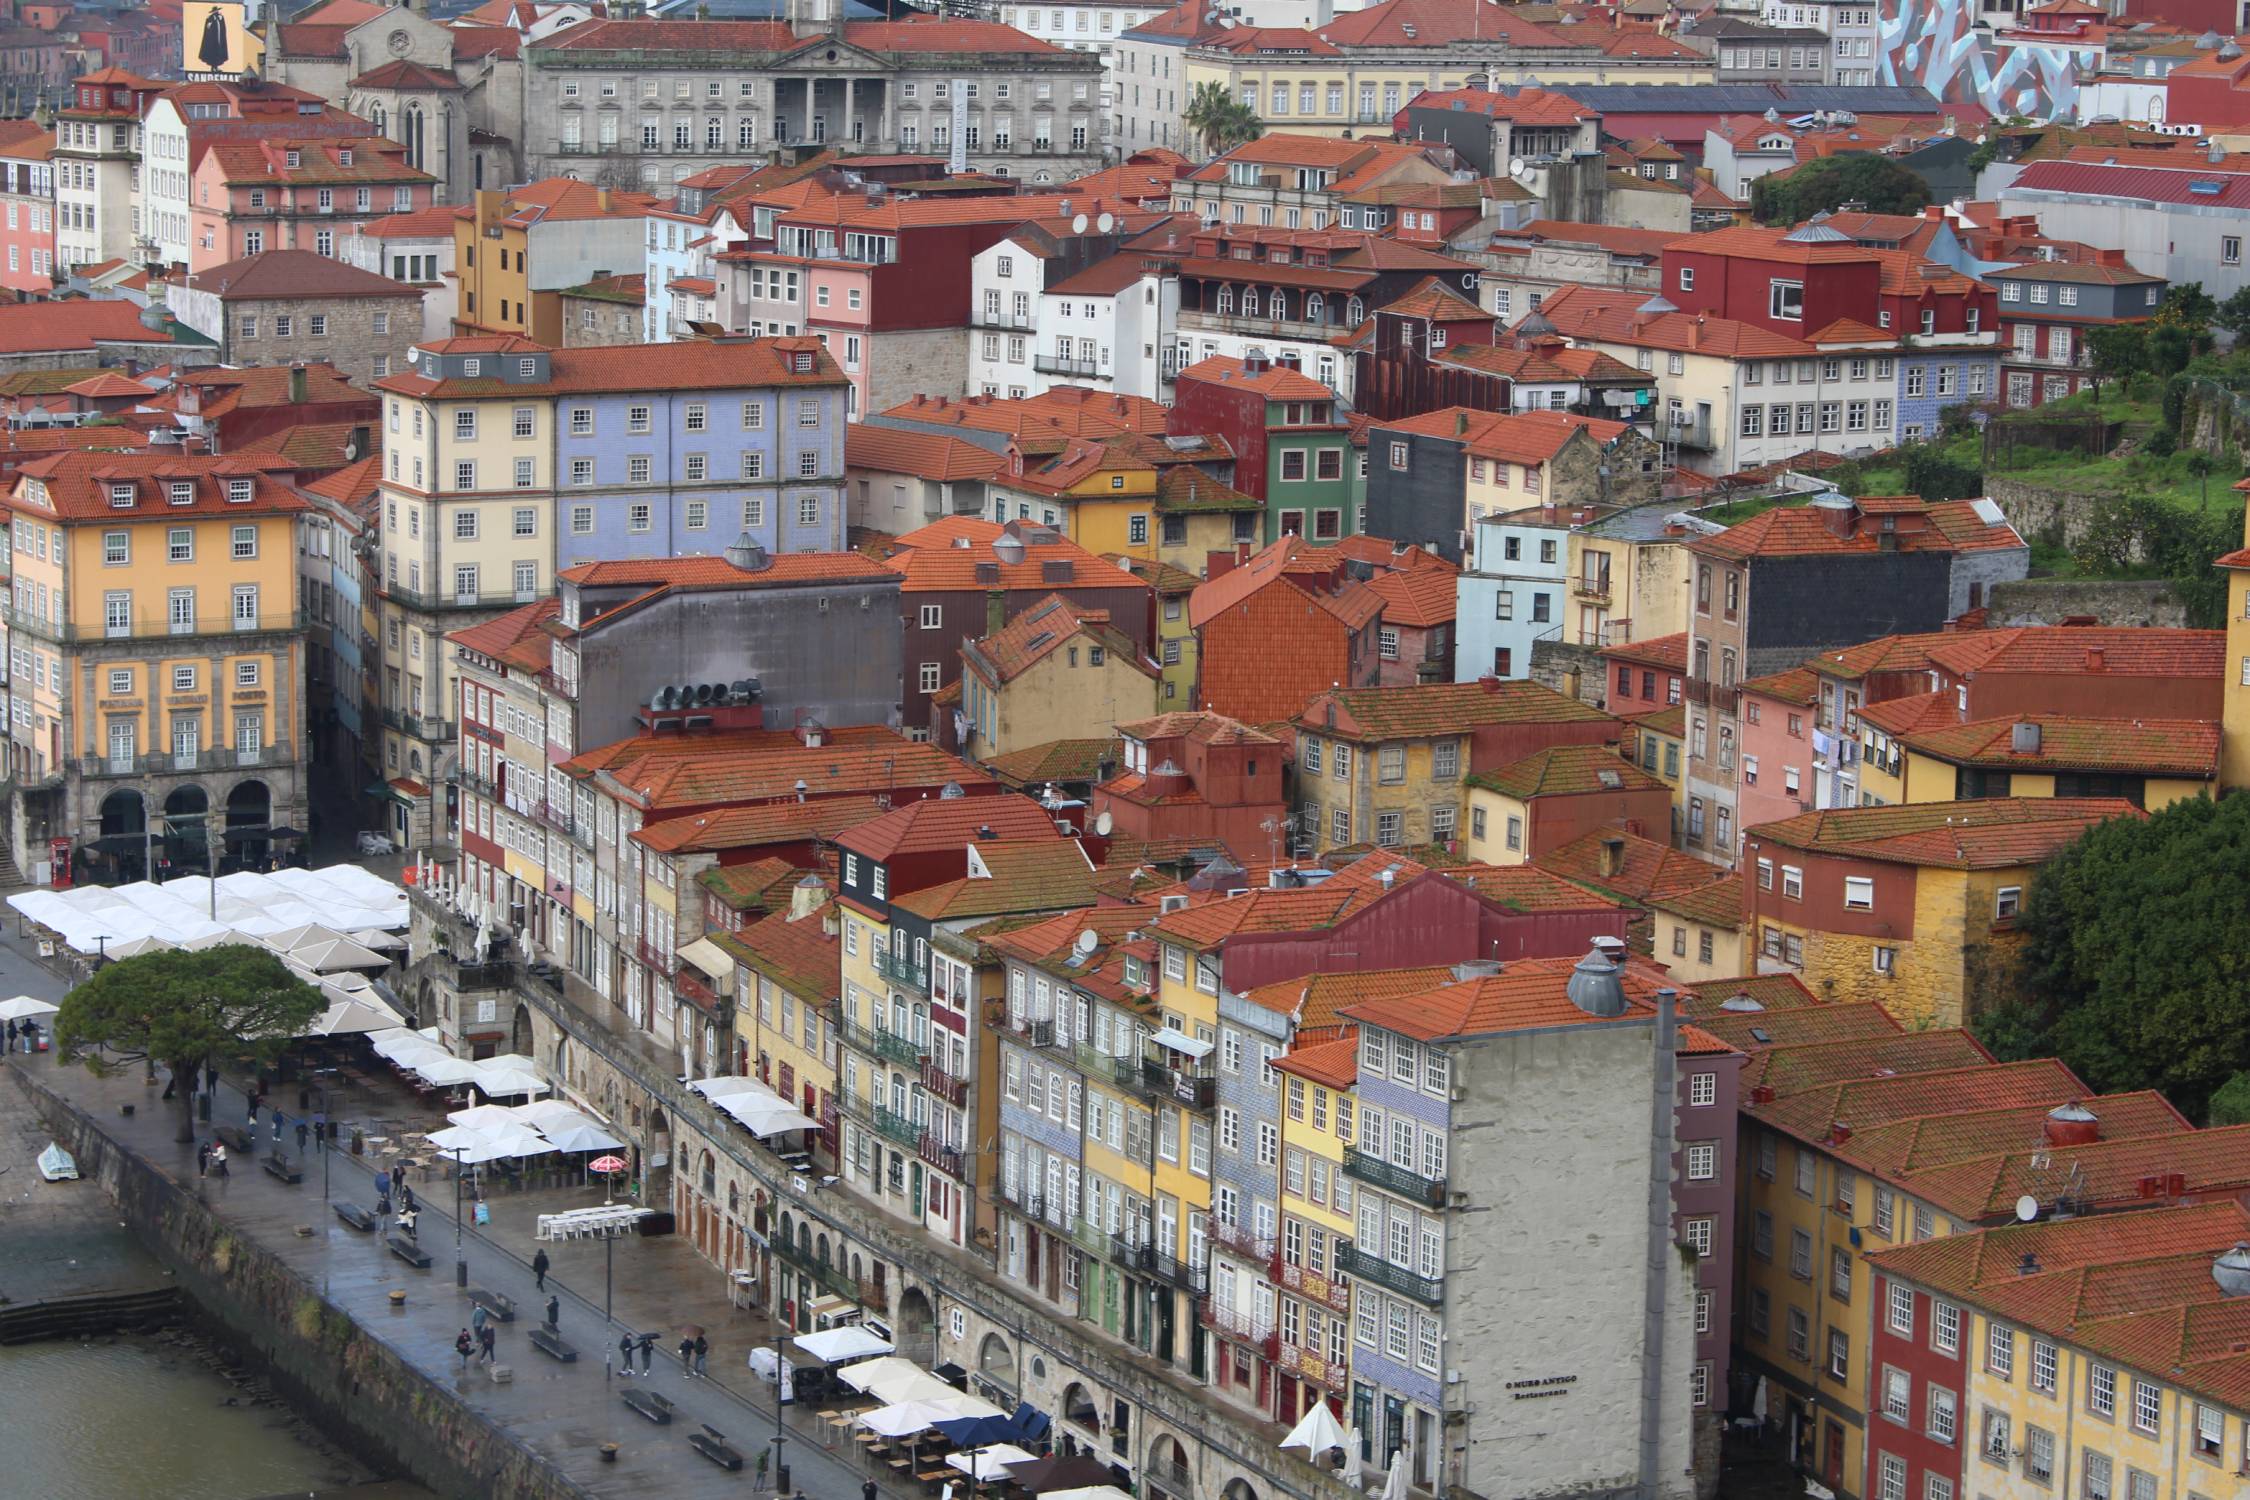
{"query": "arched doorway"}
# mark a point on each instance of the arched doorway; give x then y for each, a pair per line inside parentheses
(1079, 1411)
(249, 817)
(1168, 1467)
(915, 1330)
(123, 844)
(996, 1366)
(520, 1036)
(562, 1059)
(655, 1185)
(186, 835)
(1239, 1489)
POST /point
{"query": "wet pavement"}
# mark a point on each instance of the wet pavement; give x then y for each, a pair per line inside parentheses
(564, 1411)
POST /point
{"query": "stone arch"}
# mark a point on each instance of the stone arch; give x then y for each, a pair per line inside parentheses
(1168, 1466)
(996, 1362)
(124, 832)
(914, 1329)
(1078, 1407)
(659, 1157)
(1239, 1489)
(519, 1038)
(186, 834)
(707, 1174)
(562, 1058)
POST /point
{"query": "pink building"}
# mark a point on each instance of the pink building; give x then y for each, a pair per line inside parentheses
(253, 196)
(1777, 747)
(27, 207)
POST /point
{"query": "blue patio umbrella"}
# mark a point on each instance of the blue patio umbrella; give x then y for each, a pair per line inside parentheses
(977, 1432)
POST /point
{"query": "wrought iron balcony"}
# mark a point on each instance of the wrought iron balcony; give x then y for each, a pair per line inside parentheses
(1590, 588)
(884, 1044)
(1197, 1091)
(1357, 1263)
(1237, 1327)
(1024, 1199)
(954, 1091)
(936, 1153)
(1333, 1293)
(899, 971)
(1313, 1366)
(1088, 1236)
(1151, 1261)
(1066, 364)
(1239, 1239)
(1404, 1181)
(898, 1127)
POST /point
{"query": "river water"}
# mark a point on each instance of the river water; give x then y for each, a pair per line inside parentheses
(151, 1419)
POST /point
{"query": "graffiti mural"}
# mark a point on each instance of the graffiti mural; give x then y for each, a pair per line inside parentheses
(1935, 43)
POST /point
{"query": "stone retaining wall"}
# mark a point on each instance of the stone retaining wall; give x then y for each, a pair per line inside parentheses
(2042, 514)
(360, 1391)
(2112, 601)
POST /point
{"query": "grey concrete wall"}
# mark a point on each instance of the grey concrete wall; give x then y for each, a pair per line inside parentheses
(2036, 511)
(2112, 601)
(1567, 668)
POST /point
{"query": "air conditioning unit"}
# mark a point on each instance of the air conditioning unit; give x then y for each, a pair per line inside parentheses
(1453, 1377)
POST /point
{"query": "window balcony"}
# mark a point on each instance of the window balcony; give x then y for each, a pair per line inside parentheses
(130, 628)
(1088, 1236)
(1237, 1327)
(935, 1153)
(1196, 1091)
(1591, 588)
(1688, 430)
(898, 1127)
(1238, 1239)
(406, 722)
(900, 971)
(1019, 322)
(954, 1091)
(162, 762)
(1357, 1263)
(1309, 1365)
(1330, 1291)
(1151, 1261)
(1404, 1181)
(1025, 1199)
(1066, 364)
(884, 1044)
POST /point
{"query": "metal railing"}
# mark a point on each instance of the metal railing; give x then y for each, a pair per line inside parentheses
(989, 318)
(1688, 431)
(954, 1091)
(1067, 364)
(1241, 1241)
(1228, 1323)
(899, 971)
(898, 1127)
(1392, 1178)
(886, 1044)
(419, 725)
(156, 628)
(1197, 1091)
(163, 762)
(936, 1153)
(1590, 588)
(446, 599)
(1353, 1261)
(1725, 699)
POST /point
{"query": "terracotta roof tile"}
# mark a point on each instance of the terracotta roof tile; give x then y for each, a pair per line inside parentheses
(1567, 771)
(1751, 1031)
(656, 772)
(934, 456)
(515, 638)
(1039, 631)
(1792, 1070)
(1525, 437)
(56, 327)
(1718, 903)
(1802, 531)
(800, 955)
(2154, 747)
(1530, 993)
(1645, 870)
(1920, 1143)
(1985, 834)
(760, 885)
(729, 364)
(762, 823)
(938, 823)
(1773, 992)
(2109, 1173)
(1019, 875)
(1334, 1063)
(1666, 651)
(1796, 685)
(2086, 649)
(1417, 598)
(294, 274)
(1442, 708)
(1057, 760)
(78, 486)
(930, 560)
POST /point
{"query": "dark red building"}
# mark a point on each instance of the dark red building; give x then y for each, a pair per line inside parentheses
(1801, 281)
(1279, 627)
(1645, 676)
(1917, 1372)
(1199, 777)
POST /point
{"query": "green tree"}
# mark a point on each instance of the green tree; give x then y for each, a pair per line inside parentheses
(2170, 347)
(1829, 182)
(1219, 120)
(186, 1009)
(2135, 967)
(2234, 313)
(2186, 305)
(2231, 1104)
(2118, 352)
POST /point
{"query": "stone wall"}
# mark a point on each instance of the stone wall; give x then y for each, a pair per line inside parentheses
(2120, 601)
(2042, 514)
(1573, 670)
(357, 1388)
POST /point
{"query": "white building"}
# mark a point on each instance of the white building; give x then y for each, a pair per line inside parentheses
(1511, 593)
(1853, 28)
(1071, 303)
(682, 267)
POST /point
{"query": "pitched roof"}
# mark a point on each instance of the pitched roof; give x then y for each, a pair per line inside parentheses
(1986, 834)
(1056, 760)
(764, 823)
(1886, 653)
(1666, 651)
(295, 274)
(1530, 993)
(1524, 437)
(801, 955)
(1612, 316)
(1274, 381)
(959, 555)
(1567, 771)
(1718, 903)
(938, 823)
(78, 486)
(1934, 1059)
(2105, 1173)
(54, 327)
(728, 364)
(1770, 992)
(1417, 598)
(1749, 1031)
(1644, 871)
(1285, 561)
(2152, 747)
(1041, 630)
(1442, 708)
(1334, 1062)
(665, 771)
(1064, 409)
(515, 638)
(1204, 727)
(1803, 530)
(2084, 649)
(1009, 876)
(760, 885)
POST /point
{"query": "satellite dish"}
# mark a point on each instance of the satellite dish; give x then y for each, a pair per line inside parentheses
(1515, 166)
(2027, 1208)
(1106, 223)
(1078, 224)
(1103, 822)
(1088, 941)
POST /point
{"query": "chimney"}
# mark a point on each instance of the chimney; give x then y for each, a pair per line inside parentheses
(1838, 1133)
(1594, 987)
(601, 199)
(1613, 856)
(2024, 739)
(805, 897)
(2072, 1124)
(995, 611)
(1762, 1093)
(1489, 683)
(2093, 658)
(297, 384)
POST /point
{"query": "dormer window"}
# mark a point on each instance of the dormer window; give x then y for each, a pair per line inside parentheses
(472, 367)
(801, 361)
(344, 157)
(181, 491)
(295, 160)
(527, 369)
(121, 496)
(239, 491)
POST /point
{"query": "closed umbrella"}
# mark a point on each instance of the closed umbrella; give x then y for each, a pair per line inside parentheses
(1317, 1433)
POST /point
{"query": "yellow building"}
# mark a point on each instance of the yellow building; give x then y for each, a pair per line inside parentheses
(1914, 755)
(1175, 637)
(1659, 742)
(1318, 1124)
(1700, 934)
(1131, 494)
(1629, 575)
(516, 252)
(1389, 765)
(2055, 1388)
(788, 975)
(1915, 907)
(1555, 797)
(157, 660)
(1057, 670)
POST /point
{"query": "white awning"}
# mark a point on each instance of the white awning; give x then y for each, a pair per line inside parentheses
(1181, 1042)
(710, 958)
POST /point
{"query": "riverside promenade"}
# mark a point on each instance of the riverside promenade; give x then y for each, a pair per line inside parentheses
(562, 1412)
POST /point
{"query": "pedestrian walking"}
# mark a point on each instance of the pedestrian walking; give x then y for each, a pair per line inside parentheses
(11, 1036)
(687, 1357)
(406, 1218)
(476, 1320)
(702, 1355)
(489, 1341)
(253, 1112)
(406, 1197)
(302, 1132)
(764, 1458)
(867, 1490)
(210, 1078)
(398, 1178)
(320, 1126)
(554, 1312)
(203, 1160)
(539, 1265)
(219, 1157)
(465, 1346)
(648, 1353)
(625, 1351)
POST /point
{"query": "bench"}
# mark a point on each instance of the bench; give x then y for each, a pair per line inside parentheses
(406, 1250)
(500, 1308)
(649, 1404)
(547, 1341)
(714, 1448)
(237, 1140)
(279, 1166)
(354, 1215)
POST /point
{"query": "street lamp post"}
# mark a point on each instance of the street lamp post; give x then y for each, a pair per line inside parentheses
(326, 1125)
(780, 1373)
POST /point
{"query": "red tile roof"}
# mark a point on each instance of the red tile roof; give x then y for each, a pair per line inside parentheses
(1064, 409)
(730, 364)
(1610, 316)
(1888, 653)
(1524, 437)
(1009, 876)
(1567, 771)
(801, 954)
(665, 771)
(1987, 834)
(1899, 716)
(295, 274)
(1666, 651)
(58, 327)
(1530, 993)
(1334, 1063)
(2109, 1173)
(2128, 184)
(940, 823)
(1441, 708)
(1417, 598)
(2152, 747)
(1797, 685)
(77, 486)
(717, 572)
(1276, 382)
(1644, 871)
(515, 638)
(1041, 630)
(1803, 531)
(951, 560)
(2085, 649)
(765, 823)
(931, 455)
(1751, 1031)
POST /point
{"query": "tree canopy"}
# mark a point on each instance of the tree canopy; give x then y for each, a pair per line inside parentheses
(185, 1009)
(1219, 120)
(2135, 968)
(1862, 177)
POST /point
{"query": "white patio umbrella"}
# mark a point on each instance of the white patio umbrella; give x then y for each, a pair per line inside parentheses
(509, 1060)
(906, 1418)
(989, 1464)
(726, 1084)
(23, 1008)
(440, 1068)
(135, 947)
(487, 1117)
(477, 1155)
(507, 1082)
(376, 938)
(1317, 1433)
(588, 1137)
(540, 1113)
(337, 955)
(835, 1345)
(893, 1380)
(350, 1017)
(1090, 1492)
(454, 1137)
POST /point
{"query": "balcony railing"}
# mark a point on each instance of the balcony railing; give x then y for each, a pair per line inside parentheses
(167, 762)
(954, 1091)
(1241, 1241)
(898, 1127)
(1146, 1258)
(1066, 364)
(450, 599)
(691, 987)
(935, 1152)
(1024, 1199)
(1354, 1262)
(420, 727)
(993, 318)
(1688, 431)
(884, 1044)
(1724, 699)
(1313, 1367)
(1212, 321)
(1391, 1178)
(1590, 588)
(1238, 1327)
(830, 1278)
(152, 628)
(1093, 1061)
(899, 971)
(1198, 1091)
(656, 958)
(1088, 1236)
(1330, 1291)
